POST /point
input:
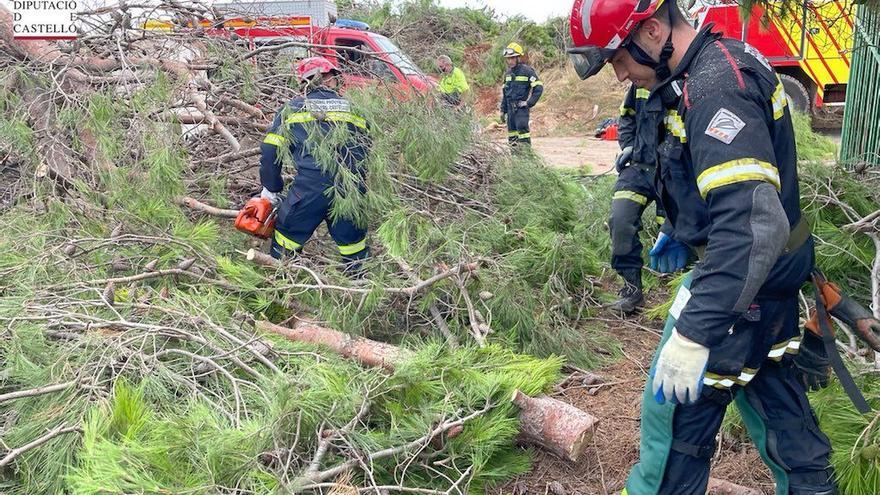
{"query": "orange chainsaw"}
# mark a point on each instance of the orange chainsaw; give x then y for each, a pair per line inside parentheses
(845, 309)
(257, 218)
(830, 301)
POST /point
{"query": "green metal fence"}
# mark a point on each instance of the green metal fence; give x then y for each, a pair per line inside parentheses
(861, 120)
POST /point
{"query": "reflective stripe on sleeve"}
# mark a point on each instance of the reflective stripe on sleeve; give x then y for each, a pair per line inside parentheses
(642, 93)
(790, 346)
(537, 83)
(742, 170)
(632, 196)
(625, 110)
(779, 101)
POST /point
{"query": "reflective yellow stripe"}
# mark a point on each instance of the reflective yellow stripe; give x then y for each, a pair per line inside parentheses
(675, 125)
(790, 346)
(537, 83)
(513, 133)
(779, 101)
(349, 249)
(642, 93)
(638, 198)
(521, 78)
(524, 135)
(285, 242)
(299, 117)
(742, 170)
(660, 220)
(508, 78)
(348, 117)
(624, 492)
(274, 139)
(727, 381)
(624, 111)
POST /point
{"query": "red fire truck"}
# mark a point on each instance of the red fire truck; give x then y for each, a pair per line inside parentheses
(809, 47)
(364, 57)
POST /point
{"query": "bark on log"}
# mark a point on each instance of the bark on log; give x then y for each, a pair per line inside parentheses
(365, 351)
(721, 487)
(205, 208)
(558, 427)
(548, 423)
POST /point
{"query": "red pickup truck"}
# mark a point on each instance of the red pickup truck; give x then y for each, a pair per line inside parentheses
(364, 57)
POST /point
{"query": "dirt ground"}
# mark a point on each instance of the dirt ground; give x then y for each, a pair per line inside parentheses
(605, 465)
(595, 155)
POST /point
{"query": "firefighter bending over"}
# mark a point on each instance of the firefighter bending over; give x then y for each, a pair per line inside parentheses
(727, 178)
(633, 191)
(453, 85)
(299, 128)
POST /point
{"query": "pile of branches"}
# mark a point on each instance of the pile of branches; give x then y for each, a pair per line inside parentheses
(133, 357)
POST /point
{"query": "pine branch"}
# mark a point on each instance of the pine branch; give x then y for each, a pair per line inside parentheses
(58, 430)
(392, 451)
(48, 389)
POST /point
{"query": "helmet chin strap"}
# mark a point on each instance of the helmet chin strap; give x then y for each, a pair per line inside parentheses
(661, 67)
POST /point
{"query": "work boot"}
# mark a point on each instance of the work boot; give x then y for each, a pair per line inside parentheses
(630, 296)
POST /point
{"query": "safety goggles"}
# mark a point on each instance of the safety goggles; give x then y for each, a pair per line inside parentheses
(589, 60)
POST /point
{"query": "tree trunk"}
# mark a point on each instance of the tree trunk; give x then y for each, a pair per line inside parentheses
(554, 425)
(365, 351)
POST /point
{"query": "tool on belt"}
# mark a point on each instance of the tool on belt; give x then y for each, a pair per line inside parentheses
(830, 301)
(257, 218)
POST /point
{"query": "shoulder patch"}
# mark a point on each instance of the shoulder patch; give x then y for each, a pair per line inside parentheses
(758, 56)
(725, 126)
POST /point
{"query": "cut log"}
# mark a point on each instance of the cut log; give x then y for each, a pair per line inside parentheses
(721, 487)
(262, 258)
(545, 422)
(365, 351)
(558, 427)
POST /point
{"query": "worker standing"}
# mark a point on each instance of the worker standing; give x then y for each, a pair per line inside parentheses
(633, 192)
(299, 129)
(453, 85)
(521, 91)
(727, 178)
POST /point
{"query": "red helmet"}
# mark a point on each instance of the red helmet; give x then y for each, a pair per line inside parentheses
(312, 66)
(599, 27)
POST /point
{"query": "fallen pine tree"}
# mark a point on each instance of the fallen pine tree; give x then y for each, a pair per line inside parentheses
(544, 421)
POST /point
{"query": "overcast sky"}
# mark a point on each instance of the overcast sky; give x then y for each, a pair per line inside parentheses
(537, 10)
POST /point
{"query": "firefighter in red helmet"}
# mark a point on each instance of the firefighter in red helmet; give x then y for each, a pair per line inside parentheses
(298, 128)
(727, 180)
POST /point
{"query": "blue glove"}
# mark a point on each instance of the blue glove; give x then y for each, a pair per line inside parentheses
(668, 255)
(623, 159)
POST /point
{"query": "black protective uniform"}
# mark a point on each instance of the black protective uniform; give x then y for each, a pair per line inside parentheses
(727, 177)
(296, 127)
(521, 84)
(634, 189)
